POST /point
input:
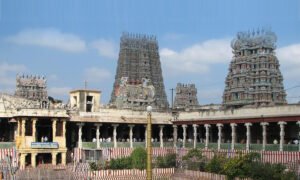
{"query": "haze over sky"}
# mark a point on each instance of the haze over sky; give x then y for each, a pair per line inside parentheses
(72, 41)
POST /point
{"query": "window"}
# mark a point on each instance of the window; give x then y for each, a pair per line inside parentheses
(59, 128)
(89, 103)
(75, 98)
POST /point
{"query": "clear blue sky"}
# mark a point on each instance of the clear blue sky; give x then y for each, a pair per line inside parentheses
(72, 41)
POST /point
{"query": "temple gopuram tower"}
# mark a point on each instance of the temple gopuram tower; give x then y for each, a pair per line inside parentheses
(138, 80)
(31, 87)
(254, 78)
(186, 96)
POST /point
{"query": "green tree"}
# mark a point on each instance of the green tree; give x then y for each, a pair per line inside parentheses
(139, 158)
(170, 160)
(250, 166)
(166, 162)
(240, 166)
(194, 160)
(216, 164)
(93, 166)
(160, 162)
(121, 163)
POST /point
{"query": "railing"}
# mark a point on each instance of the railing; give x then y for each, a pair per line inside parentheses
(93, 145)
(5, 145)
(237, 146)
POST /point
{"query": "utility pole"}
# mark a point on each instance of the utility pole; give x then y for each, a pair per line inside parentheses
(149, 144)
(172, 89)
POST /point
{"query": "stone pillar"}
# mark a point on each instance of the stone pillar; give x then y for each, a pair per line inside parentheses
(63, 158)
(131, 135)
(184, 126)
(207, 126)
(219, 125)
(115, 135)
(34, 130)
(54, 154)
(23, 129)
(161, 135)
(54, 120)
(282, 133)
(233, 135)
(80, 134)
(195, 135)
(33, 159)
(16, 126)
(248, 135)
(298, 122)
(145, 136)
(22, 160)
(64, 121)
(175, 136)
(98, 134)
(264, 134)
(19, 127)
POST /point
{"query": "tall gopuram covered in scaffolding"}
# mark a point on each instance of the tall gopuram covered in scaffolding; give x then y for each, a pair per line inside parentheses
(138, 80)
(254, 78)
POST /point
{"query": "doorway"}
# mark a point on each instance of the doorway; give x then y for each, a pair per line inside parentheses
(44, 158)
(44, 131)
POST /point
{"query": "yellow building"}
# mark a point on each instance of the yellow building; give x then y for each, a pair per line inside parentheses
(40, 131)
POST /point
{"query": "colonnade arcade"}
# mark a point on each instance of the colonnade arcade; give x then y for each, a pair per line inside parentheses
(118, 134)
(223, 135)
(229, 135)
(41, 140)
